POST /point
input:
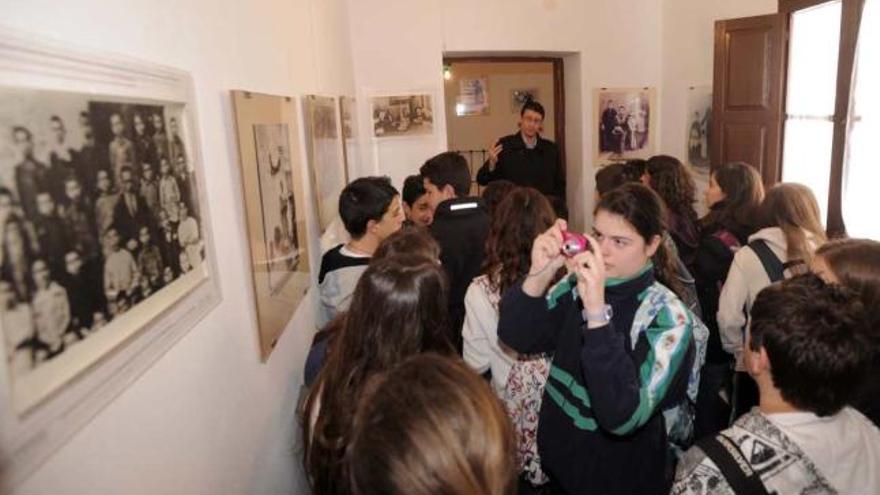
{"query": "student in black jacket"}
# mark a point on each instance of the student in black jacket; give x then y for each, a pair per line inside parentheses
(626, 350)
(460, 226)
(733, 197)
(527, 159)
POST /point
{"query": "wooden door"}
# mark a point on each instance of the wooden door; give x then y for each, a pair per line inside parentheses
(748, 93)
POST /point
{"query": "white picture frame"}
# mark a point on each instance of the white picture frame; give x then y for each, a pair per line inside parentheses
(72, 387)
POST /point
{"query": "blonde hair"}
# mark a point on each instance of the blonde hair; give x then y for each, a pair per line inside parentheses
(793, 208)
(431, 426)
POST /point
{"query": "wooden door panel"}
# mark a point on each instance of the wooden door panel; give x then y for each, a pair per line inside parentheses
(748, 54)
(748, 92)
(746, 142)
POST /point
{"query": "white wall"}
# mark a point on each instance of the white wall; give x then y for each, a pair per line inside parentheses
(207, 418)
(688, 51)
(400, 44)
(666, 44)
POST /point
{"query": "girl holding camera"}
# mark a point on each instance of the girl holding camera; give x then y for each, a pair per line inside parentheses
(626, 350)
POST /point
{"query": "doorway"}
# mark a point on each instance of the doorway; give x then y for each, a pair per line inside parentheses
(484, 96)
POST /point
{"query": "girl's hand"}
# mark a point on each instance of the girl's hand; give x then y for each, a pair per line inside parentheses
(546, 259)
(589, 266)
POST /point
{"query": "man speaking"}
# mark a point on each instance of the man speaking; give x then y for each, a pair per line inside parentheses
(527, 159)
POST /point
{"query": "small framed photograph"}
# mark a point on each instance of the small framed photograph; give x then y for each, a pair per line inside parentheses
(473, 97)
(327, 171)
(626, 123)
(402, 115)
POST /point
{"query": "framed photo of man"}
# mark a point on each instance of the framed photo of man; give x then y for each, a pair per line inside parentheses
(272, 186)
(625, 123)
(106, 255)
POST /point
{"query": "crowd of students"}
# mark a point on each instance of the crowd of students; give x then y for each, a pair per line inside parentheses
(468, 350)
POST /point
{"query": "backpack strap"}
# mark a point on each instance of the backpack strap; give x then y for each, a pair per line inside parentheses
(725, 453)
(773, 266)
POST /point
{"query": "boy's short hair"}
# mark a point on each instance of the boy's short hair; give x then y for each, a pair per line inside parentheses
(363, 200)
(613, 176)
(815, 336)
(448, 168)
(533, 106)
(413, 189)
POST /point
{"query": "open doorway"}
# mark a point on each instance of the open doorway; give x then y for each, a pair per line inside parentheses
(483, 98)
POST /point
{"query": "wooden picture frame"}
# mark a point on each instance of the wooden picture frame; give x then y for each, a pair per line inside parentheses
(273, 193)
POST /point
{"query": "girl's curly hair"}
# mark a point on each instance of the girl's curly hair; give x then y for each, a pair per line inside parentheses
(523, 215)
(672, 181)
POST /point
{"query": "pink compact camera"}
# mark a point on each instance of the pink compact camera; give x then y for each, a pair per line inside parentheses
(574, 243)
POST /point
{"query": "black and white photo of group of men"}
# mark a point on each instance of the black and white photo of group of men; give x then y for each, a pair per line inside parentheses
(624, 124)
(98, 212)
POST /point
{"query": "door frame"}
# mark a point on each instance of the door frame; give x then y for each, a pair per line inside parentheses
(558, 87)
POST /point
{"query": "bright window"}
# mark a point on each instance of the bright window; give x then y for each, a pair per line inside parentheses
(861, 175)
(811, 92)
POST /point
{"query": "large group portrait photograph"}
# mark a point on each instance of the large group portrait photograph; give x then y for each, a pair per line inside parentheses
(98, 216)
(625, 123)
(402, 115)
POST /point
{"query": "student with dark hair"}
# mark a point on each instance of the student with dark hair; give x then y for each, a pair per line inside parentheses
(682, 282)
(612, 176)
(807, 349)
(460, 226)
(790, 231)
(370, 210)
(626, 350)
(431, 426)
(520, 218)
(415, 202)
(527, 159)
(855, 264)
(494, 194)
(397, 310)
(733, 198)
(409, 240)
(673, 182)
(523, 215)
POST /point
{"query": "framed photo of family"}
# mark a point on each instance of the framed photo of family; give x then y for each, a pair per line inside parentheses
(626, 123)
(106, 256)
(272, 185)
(327, 170)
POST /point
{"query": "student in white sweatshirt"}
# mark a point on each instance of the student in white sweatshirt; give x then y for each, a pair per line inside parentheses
(792, 230)
(518, 219)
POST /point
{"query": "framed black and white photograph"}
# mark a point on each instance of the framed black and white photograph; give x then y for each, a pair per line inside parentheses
(699, 126)
(106, 254)
(324, 149)
(274, 198)
(699, 129)
(402, 115)
(625, 121)
(473, 97)
(519, 97)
